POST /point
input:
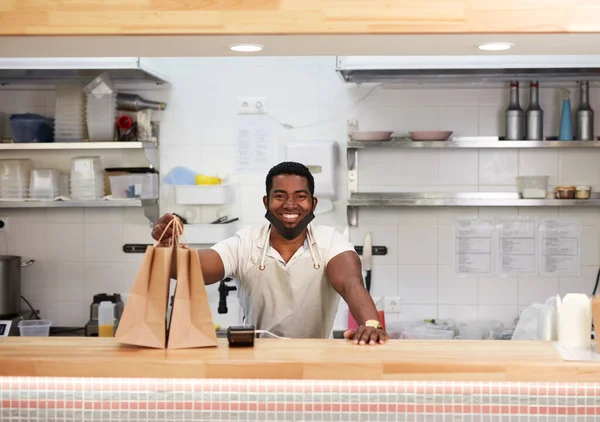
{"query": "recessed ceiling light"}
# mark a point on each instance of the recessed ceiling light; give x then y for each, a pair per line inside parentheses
(495, 46)
(246, 48)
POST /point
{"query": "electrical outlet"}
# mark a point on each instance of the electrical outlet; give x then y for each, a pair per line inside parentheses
(3, 224)
(393, 304)
(252, 105)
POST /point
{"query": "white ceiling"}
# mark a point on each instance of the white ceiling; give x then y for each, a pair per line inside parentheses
(343, 45)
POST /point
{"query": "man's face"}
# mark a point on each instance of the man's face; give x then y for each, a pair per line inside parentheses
(290, 200)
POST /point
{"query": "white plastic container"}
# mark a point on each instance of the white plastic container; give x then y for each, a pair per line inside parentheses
(203, 194)
(533, 187)
(44, 184)
(101, 113)
(141, 186)
(69, 113)
(15, 178)
(35, 328)
(86, 178)
(106, 319)
(574, 321)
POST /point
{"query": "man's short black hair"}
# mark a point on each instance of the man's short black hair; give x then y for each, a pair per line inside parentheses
(290, 167)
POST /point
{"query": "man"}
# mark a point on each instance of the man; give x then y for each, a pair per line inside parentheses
(290, 274)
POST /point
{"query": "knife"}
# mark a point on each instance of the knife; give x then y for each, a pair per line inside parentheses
(368, 260)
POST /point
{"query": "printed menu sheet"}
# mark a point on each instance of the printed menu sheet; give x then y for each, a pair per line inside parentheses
(256, 145)
(517, 247)
(473, 246)
(560, 242)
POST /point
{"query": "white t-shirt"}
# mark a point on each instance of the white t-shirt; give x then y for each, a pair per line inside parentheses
(292, 299)
(236, 251)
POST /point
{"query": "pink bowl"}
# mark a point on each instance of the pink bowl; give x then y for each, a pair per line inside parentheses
(430, 135)
(373, 136)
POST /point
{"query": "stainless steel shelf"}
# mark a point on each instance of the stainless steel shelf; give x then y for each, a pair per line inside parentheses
(50, 70)
(409, 143)
(466, 199)
(9, 146)
(470, 69)
(78, 204)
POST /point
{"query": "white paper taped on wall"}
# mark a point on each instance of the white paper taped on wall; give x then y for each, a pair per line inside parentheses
(473, 246)
(256, 146)
(517, 247)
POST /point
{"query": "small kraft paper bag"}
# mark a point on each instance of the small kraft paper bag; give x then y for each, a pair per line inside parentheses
(596, 320)
(144, 319)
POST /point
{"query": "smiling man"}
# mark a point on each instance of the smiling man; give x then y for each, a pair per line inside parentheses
(290, 274)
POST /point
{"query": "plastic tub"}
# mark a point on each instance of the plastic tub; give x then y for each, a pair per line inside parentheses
(101, 113)
(44, 184)
(30, 127)
(533, 187)
(35, 328)
(86, 167)
(142, 186)
(15, 171)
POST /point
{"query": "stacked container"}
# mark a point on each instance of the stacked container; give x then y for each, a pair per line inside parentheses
(15, 178)
(87, 179)
(69, 113)
(44, 184)
(101, 117)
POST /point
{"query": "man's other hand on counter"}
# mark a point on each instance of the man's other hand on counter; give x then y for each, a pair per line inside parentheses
(366, 335)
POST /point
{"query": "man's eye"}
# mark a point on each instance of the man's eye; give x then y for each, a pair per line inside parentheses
(301, 197)
(279, 197)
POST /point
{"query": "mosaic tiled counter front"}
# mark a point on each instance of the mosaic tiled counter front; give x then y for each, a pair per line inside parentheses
(74, 379)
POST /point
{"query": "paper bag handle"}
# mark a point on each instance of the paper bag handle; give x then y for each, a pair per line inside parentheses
(177, 233)
(178, 229)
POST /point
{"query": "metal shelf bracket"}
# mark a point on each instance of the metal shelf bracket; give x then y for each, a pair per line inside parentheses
(352, 161)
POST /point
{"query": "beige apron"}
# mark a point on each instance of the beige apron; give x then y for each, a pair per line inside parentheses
(292, 300)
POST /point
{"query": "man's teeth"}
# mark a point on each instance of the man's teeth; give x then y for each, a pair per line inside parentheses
(290, 216)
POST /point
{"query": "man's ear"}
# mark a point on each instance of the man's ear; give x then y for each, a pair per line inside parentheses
(266, 202)
(315, 202)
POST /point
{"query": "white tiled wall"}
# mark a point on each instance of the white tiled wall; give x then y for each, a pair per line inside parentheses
(79, 253)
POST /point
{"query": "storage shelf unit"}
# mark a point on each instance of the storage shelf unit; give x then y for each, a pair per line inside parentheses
(129, 72)
(447, 199)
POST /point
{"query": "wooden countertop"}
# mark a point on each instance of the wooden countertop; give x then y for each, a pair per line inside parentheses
(296, 359)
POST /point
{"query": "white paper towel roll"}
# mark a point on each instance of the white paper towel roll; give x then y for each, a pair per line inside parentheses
(574, 321)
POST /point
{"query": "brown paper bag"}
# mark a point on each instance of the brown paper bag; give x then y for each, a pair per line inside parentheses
(143, 322)
(596, 320)
(191, 321)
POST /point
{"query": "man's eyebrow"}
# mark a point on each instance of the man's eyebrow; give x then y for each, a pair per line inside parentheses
(284, 191)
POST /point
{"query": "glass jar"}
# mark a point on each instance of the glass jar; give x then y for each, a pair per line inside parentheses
(565, 192)
(583, 192)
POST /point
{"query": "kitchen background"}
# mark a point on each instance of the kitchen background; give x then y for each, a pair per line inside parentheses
(79, 252)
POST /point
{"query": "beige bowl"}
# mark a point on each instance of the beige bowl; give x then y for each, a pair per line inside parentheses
(430, 135)
(373, 136)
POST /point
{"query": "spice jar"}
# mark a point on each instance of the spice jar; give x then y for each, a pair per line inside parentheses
(565, 192)
(583, 192)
